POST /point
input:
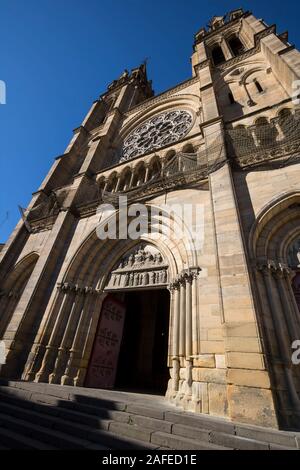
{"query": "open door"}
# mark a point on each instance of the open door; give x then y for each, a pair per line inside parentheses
(105, 354)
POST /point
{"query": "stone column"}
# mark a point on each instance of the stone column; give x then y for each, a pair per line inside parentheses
(182, 320)
(131, 179)
(195, 316)
(191, 323)
(189, 317)
(76, 351)
(68, 336)
(51, 348)
(117, 185)
(226, 50)
(287, 305)
(36, 356)
(188, 338)
(280, 328)
(174, 287)
(146, 173)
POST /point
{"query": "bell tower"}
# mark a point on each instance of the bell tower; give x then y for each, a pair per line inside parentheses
(251, 66)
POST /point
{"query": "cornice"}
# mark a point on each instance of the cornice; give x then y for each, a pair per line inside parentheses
(156, 99)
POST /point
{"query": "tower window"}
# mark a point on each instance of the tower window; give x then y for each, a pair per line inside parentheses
(231, 98)
(258, 86)
(236, 45)
(217, 55)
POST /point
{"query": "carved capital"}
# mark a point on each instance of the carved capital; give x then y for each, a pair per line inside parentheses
(82, 290)
(274, 268)
(174, 285)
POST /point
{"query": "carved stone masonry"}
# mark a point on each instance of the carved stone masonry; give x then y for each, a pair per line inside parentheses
(69, 287)
(274, 268)
(186, 276)
(139, 268)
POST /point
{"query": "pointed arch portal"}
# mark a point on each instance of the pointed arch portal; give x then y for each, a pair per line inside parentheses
(153, 283)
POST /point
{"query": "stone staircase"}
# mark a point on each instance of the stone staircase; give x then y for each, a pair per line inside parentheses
(43, 416)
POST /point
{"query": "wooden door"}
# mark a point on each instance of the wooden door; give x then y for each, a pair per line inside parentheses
(105, 354)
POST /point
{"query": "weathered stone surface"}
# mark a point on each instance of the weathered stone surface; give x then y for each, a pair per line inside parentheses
(252, 405)
(200, 421)
(249, 378)
(218, 404)
(282, 438)
(205, 360)
(145, 411)
(235, 442)
(232, 297)
(171, 441)
(132, 431)
(191, 432)
(151, 423)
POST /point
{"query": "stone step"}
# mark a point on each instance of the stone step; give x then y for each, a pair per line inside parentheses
(137, 427)
(181, 443)
(22, 417)
(90, 413)
(200, 421)
(51, 437)
(29, 422)
(13, 440)
(190, 434)
(235, 442)
(109, 399)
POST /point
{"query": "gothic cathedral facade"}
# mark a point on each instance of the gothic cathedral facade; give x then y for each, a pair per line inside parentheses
(210, 324)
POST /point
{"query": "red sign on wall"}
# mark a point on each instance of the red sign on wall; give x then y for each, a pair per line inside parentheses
(104, 360)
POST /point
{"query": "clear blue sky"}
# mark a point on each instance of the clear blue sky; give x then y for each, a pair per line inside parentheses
(58, 56)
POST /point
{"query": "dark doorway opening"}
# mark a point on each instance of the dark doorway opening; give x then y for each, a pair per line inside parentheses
(142, 364)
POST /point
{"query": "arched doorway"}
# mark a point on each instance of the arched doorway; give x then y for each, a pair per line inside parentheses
(274, 244)
(130, 348)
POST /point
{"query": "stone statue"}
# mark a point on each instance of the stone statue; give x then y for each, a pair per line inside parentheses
(152, 277)
(130, 260)
(131, 279)
(139, 257)
(148, 258)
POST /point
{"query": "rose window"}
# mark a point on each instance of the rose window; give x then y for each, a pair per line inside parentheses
(157, 132)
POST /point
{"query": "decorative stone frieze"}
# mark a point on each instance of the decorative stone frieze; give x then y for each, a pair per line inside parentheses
(141, 267)
(77, 289)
